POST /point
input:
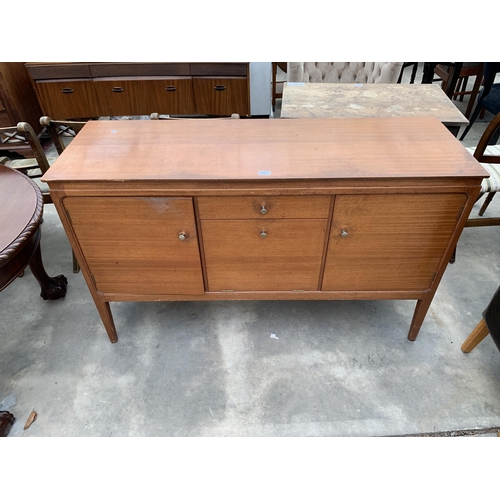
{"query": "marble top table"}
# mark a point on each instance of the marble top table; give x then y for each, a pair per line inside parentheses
(374, 100)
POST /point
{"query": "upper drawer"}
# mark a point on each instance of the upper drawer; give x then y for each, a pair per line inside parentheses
(46, 71)
(139, 69)
(219, 69)
(271, 207)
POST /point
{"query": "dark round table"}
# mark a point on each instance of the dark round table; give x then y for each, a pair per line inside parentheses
(21, 209)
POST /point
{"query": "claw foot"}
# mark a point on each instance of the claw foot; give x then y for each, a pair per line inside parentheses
(55, 288)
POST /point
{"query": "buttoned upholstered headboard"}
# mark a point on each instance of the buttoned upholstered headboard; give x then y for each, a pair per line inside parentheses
(344, 72)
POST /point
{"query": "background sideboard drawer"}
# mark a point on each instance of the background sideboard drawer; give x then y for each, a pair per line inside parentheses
(69, 98)
(114, 70)
(145, 96)
(260, 207)
(221, 96)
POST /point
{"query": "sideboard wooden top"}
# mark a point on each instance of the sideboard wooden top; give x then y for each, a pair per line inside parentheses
(205, 149)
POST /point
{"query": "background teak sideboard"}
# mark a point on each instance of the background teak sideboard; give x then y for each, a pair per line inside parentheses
(264, 209)
(86, 90)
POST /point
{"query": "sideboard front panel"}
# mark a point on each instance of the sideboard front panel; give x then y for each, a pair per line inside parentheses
(132, 246)
(271, 254)
(389, 242)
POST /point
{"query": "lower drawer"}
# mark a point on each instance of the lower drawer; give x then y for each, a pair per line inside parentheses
(273, 254)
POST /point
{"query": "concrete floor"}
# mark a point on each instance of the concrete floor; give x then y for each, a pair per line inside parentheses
(340, 368)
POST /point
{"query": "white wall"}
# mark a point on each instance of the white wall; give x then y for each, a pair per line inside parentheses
(260, 88)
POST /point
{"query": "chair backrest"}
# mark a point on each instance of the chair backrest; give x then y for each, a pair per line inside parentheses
(344, 72)
(57, 129)
(490, 131)
(21, 134)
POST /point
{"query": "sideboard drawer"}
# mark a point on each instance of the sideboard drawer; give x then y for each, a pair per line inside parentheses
(221, 96)
(261, 207)
(69, 98)
(266, 255)
(111, 70)
(145, 96)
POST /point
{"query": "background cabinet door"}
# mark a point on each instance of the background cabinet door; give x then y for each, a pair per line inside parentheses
(221, 96)
(288, 257)
(69, 99)
(389, 242)
(132, 245)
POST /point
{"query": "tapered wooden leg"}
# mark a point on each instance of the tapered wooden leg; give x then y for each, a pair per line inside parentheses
(478, 334)
(107, 319)
(419, 315)
(76, 266)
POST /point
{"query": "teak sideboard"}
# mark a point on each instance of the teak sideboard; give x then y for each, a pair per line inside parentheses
(86, 90)
(313, 209)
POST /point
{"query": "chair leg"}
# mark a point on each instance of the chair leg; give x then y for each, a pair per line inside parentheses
(494, 138)
(478, 334)
(486, 202)
(76, 266)
(472, 98)
(472, 120)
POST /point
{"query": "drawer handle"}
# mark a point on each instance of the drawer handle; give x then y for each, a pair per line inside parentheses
(220, 87)
(263, 234)
(344, 233)
(182, 236)
(117, 89)
(263, 210)
(170, 88)
(67, 90)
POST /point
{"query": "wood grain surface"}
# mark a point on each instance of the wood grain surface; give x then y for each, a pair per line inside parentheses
(18, 204)
(132, 244)
(396, 242)
(335, 148)
(288, 257)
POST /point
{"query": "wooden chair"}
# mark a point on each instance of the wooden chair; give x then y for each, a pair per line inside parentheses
(34, 167)
(489, 97)
(489, 157)
(414, 68)
(489, 324)
(445, 72)
(58, 130)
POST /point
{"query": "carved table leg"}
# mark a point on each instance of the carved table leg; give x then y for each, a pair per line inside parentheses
(52, 288)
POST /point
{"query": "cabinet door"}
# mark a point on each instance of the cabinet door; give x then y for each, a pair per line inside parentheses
(66, 99)
(145, 96)
(132, 244)
(272, 254)
(221, 96)
(382, 242)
